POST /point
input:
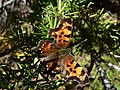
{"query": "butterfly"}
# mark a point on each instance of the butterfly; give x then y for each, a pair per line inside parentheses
(58, 60)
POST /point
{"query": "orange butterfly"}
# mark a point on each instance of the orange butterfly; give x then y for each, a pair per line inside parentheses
(58, 60)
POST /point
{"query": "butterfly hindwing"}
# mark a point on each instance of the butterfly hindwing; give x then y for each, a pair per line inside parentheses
(73, 68)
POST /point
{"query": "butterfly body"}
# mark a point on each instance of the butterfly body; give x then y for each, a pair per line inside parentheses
(60, 61)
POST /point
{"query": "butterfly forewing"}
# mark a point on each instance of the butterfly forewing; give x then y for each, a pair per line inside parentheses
(62, 33)
(47, 47)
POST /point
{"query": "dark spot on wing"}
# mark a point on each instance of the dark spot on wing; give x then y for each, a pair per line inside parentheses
(72, 62)
(68, 36)
(74, 71)
(71, 69)
(60, 40)
(65, 41)
(68, 65)
(60, 36)
(77, 65)
(50, 47)
(62, 32)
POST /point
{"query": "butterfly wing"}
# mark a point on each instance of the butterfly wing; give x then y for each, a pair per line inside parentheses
(47, 47)
(73, 68)
(72, 71)
(62, 33)
(48, 50)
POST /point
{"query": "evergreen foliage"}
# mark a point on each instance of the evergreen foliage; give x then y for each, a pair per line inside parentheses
(28, 22)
